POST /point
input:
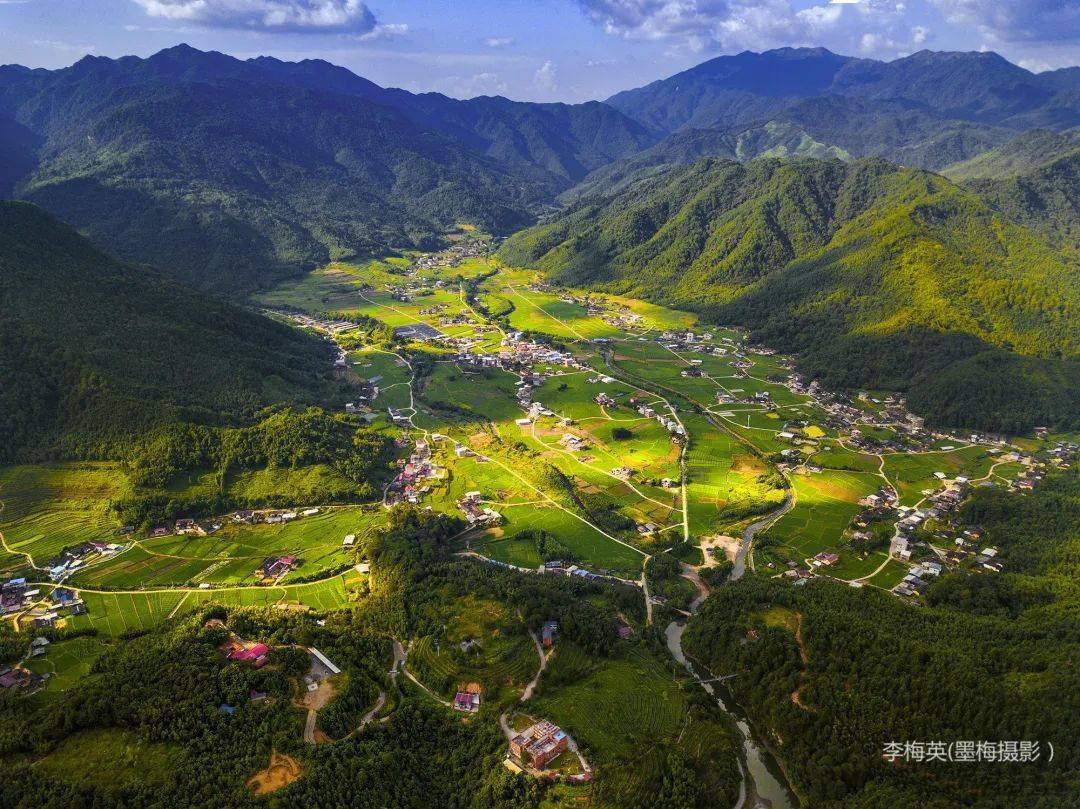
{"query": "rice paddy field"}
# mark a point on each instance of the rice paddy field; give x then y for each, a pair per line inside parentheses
(233, 554)
(825, 504)
(911, 474)
(114, 613)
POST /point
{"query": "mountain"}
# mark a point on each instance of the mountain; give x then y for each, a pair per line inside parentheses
(928, 110)
(748, 87)
(882, 276)
(1034, 180)
(822, 127)
(232, 173)
(732, 89)
(93, 351)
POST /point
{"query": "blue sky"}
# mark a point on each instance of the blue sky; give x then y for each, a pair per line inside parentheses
(544, 50)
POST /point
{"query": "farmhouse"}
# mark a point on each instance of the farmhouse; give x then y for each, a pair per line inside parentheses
(548, 632)
(467, 698)
(274, 567)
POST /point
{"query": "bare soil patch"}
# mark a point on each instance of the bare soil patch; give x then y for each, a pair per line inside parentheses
(281, 772)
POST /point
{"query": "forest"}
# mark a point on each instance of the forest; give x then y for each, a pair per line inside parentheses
(988, 659)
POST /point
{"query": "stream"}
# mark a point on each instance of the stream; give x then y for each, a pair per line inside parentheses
(764, 784)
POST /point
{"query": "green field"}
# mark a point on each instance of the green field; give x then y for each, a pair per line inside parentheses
(114, 613)
(49, 507)
(912, 474)
(233, 554)
(64, 662)
(825, 503)
(110, 758)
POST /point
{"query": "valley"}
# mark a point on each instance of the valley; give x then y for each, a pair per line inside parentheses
(409, 445)
(563, 433)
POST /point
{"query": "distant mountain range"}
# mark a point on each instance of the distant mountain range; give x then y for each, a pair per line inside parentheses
(234, 173)
(881, 276)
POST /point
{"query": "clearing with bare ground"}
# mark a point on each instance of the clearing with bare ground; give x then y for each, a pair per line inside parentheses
(281, 772)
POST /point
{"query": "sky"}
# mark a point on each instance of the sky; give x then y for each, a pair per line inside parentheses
(535, 50)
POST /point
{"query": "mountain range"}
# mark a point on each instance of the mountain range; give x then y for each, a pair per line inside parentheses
(233, 173)
(880, 276)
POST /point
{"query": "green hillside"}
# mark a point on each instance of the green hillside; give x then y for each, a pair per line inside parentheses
(882, 276)
(1028, 151)
(93, 351)
(1045, 198)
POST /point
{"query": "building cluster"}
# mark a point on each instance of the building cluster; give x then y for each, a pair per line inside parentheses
(452, 256)
(476, 513)
(410, 483)
(257, 654)
(42, 612)
(71, 560)
(665, 420)
(20, 679)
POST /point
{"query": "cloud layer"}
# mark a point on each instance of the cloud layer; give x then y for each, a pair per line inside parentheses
(734, 24)
(1017, 20)
(312, 16)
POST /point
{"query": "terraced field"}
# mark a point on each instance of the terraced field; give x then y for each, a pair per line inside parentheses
(482, 642)
(52, 506)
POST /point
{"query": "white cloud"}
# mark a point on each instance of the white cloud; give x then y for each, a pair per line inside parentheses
(327, 16)
(391, 30)
(499, 42)
(545, 77)
(63, 47)
(1017, 20)
(880, 27)
(478, 84)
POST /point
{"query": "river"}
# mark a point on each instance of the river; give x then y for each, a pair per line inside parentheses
(764, 783)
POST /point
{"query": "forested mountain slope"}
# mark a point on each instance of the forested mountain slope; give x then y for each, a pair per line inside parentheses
(1040, 189)
(1018, 156)
(233, 173)
(883, 276)
(93, 351)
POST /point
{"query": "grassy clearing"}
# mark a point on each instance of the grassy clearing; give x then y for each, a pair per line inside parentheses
(65, 662)
(110, 759)
(500, 655)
